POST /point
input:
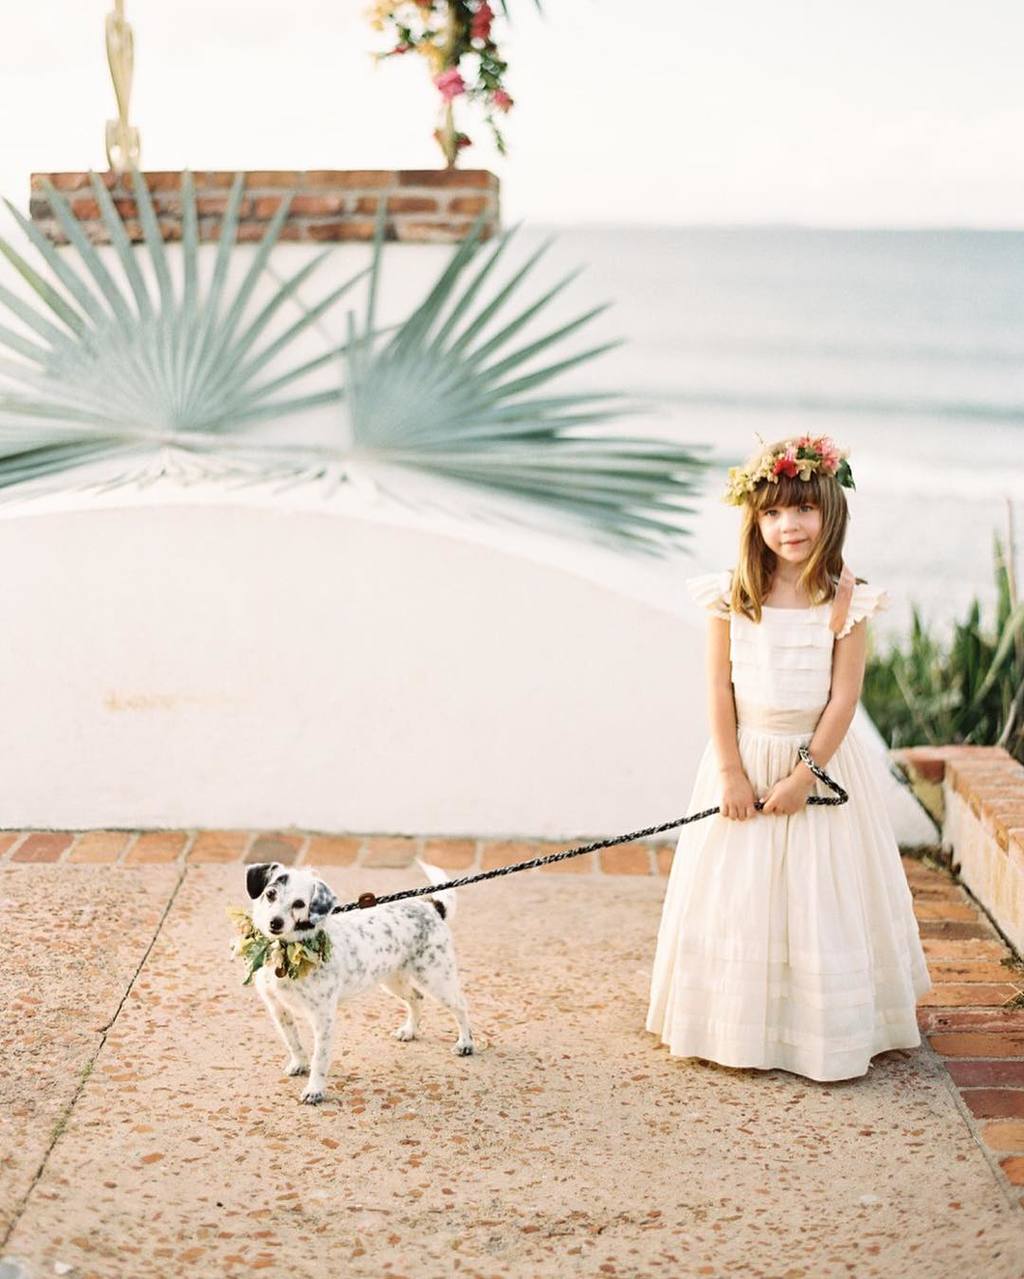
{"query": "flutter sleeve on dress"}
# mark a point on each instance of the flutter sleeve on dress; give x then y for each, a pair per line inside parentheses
(866, 601)
(711, 591)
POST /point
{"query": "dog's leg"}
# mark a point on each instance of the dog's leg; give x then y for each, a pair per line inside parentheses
(442, 983)
(403, 989)
(298, 1063)
(323, 1033)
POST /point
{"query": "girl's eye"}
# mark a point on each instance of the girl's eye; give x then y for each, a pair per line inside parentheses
(298, 905)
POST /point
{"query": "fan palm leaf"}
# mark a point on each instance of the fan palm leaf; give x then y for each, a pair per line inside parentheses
(110, 367)
(443, 397)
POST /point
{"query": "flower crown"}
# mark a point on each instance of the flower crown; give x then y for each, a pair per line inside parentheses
(802, 455)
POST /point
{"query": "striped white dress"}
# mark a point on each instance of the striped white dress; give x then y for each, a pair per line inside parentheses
(787, 941)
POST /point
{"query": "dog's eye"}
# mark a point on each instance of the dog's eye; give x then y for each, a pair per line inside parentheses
(298, 905)
(271, 896)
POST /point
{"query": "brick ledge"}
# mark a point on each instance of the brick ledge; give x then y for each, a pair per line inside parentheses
(423, 205)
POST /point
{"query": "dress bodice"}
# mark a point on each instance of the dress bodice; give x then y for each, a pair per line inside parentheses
(785, 660)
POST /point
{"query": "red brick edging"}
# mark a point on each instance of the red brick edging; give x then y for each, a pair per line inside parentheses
(295, 848)
(423, 205)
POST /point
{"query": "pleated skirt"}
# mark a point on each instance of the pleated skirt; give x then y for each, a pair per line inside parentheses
(788, 942)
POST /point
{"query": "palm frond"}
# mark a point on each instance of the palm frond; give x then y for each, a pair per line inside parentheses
(107, 366)
(443, 398)
(111, 369)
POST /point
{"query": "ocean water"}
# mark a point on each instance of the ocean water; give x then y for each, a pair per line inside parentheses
(907, 347)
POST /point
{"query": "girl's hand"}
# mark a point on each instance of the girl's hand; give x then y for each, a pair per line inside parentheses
(737, 796)
(788, 796)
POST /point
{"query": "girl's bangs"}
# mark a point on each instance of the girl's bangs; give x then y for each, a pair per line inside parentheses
(786, 490)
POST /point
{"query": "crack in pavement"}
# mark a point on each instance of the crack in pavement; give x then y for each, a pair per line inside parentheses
(103, 1031)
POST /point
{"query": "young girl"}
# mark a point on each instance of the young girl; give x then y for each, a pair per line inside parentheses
(787, 935)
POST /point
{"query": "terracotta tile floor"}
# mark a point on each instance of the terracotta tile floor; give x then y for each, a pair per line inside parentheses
(973, 1016)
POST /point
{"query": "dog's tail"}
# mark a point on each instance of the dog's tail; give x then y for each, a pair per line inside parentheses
(438, 876)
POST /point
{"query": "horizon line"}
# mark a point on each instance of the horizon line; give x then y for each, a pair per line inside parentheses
(773, 225)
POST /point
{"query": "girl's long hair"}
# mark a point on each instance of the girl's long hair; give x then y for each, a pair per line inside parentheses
(751, 579)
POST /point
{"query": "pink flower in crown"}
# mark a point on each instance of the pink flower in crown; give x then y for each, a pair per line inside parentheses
(501, 99)
(830, 458)
(824, 448)
(785, 465)
(480, 27)
(450, 84)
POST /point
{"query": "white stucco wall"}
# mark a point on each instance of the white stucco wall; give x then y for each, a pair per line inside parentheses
(189, 657)
(253, 665)
(366, 661)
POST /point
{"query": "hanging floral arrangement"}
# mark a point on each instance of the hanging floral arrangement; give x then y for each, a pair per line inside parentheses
(457, 39)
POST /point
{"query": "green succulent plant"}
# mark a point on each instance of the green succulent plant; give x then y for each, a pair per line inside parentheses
(922, 691)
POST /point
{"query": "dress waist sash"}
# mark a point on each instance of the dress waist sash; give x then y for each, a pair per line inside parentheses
(770, 719)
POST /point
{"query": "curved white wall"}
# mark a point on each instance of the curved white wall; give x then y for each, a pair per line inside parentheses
(198, 656)
(178, 659)
(205, 665)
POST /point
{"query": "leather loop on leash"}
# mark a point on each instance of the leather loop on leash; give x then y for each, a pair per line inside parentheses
(366, 900)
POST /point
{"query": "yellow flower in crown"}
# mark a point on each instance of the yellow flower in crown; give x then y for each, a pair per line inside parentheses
(803, 455)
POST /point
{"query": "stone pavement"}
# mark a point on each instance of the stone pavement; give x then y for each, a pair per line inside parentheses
(146, 1129)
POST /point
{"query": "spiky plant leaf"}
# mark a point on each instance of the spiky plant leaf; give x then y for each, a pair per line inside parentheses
(442, 397)
(459, 390)
(112, 371)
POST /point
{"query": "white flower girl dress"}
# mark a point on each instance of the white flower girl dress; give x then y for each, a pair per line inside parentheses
(787, 941)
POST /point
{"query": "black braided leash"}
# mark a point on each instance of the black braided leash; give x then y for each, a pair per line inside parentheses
(367, 900)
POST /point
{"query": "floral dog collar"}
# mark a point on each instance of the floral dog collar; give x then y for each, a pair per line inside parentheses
(292, 959)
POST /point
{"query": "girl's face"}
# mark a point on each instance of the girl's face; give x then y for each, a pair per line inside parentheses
(790, 531)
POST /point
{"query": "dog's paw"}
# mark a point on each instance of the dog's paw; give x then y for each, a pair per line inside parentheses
(297, 1068)
(312, 1096)
(403, 1034)
(463, 1050)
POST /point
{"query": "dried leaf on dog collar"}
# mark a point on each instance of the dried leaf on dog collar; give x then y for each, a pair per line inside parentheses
(288, 959)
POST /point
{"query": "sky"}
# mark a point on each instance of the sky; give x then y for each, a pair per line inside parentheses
(874, 113)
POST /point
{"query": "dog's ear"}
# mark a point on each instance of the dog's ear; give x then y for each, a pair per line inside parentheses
(256, 878)
(322, 902)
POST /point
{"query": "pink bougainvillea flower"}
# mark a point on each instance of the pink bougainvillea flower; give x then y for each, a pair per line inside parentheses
(480, 27)
(450, 84)
(501, 100)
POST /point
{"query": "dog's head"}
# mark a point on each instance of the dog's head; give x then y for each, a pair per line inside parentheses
(290, 904)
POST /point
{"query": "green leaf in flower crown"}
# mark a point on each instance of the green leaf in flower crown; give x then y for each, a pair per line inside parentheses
(111, 368)
(459, 392)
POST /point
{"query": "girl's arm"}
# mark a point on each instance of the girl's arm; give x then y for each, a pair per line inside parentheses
(849, 656)
(737, 792)
(721, 705)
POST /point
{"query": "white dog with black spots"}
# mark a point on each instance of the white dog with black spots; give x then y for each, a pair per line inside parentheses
(404, 946)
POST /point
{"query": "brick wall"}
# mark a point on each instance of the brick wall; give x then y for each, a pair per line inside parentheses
(423, 205)
(981, 807)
